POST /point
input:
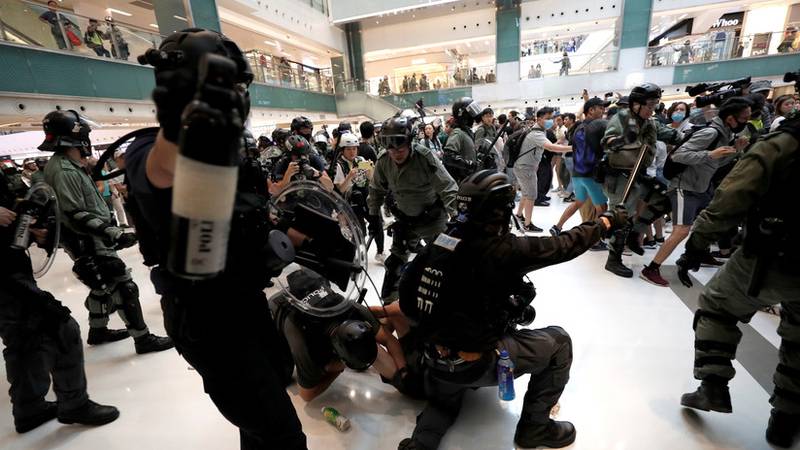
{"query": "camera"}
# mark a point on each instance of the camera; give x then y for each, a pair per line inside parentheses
(717, 92)
(305, 171)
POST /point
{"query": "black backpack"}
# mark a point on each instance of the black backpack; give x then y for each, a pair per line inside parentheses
(673, 169)
(513, 146)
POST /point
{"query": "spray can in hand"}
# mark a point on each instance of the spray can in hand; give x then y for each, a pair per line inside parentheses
(505, 377)
(335, 418)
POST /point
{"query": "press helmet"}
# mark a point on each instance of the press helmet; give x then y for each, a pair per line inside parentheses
(279, 136)
(298, 145)
(66, 129)
(485, 197)
(301, 122)
(348, 140)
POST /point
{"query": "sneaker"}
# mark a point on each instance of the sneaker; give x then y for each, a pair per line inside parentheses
(379, 258)
(650, 244)
(541, 203)
(627, 252)
(653, 276)
(90, 414)
(151, 343)
(570, 198)
(553, 434)
(532, 228)
(49, 413)
(103, 335)
(710, 261)
(709, 397)
(564, 194)
(660, 240)
(558, 189)
(599, 247)
(520, 217)
(783, 428)
(555, 230)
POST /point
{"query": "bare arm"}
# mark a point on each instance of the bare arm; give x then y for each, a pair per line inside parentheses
(557, 147)
(160, 166)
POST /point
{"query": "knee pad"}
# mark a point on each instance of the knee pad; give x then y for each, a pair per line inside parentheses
(725, 319)
(113, 269)
(128, 290)
(89, 273)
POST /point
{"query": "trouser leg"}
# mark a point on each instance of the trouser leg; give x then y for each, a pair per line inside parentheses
(98, 303)
(69, 377)
(547, 355)
(375, 228)
(444, 404)
(787, 376)
(28, 365)
(126, 301)
(405, 239)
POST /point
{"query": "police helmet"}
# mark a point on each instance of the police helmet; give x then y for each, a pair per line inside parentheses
(279, 135)
(65, 129)
(250, 143)
(396, 132)
(485, 197)
(466, 110)
(264, 141)
(300, 122)
(28, 161)
(644, 92)
(348, 140)
(298, 145)
(345, 127)
(41, 161)
(354, 342)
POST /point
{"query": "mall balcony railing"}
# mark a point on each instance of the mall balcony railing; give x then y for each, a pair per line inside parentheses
(579, 64)
(289, 74)
(705, 48)
(433, 81)
(33, 24)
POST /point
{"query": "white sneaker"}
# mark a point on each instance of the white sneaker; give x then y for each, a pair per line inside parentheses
(379, 258)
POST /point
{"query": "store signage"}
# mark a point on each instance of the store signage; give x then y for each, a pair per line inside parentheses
(729, 20)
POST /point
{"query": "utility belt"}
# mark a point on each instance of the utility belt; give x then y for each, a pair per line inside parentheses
(454, 368)
(429, 214)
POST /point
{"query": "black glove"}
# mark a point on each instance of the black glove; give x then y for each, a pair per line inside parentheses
(618, 217)
(174, 89)
(125, 240)
(690, 260)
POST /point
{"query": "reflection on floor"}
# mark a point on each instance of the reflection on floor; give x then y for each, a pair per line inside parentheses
(633, 359)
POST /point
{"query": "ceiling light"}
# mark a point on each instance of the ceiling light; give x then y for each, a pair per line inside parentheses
(469, 45)
(272, 43)
(418, 61)
(154, 26)
(181, 18)
(124, 13)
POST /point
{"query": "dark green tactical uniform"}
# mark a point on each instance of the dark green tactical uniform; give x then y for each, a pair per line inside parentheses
(764, 272)
(485, 132)
(460, 157)
(423, 196)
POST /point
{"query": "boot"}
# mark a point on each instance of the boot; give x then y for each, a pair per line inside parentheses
(151, 343)
(409, 444)
(103, 335)
(632, 241)
(783, 428)
(709, 397)
(615, 266)
(90, 414)
(553, 434)
(29, 423)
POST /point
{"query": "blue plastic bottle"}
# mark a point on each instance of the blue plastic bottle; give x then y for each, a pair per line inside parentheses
(505, 377)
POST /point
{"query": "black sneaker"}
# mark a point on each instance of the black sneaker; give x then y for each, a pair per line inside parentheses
(660, 240)
(599, 247)
(570, 199)
(719, 255)
(151, 343)
(49, 413)
(520, 217)
(532, 228)
(103, 335)
(650, 244)
(553, 434)
(555, 230)
(90, 414)
(783, 428)
(541, 203)
(633, 243)
(709, 397)
(710, 261)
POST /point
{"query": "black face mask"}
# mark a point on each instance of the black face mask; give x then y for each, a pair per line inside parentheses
(739, 127)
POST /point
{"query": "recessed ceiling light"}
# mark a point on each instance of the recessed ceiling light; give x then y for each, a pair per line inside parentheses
(124, 13)
(154, 26)
(274, 44)
(180, 18)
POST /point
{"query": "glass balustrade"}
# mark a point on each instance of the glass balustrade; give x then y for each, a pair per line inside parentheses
(36, 25)
(277, 71)
(425, 81)
(555, 65)
(722, 46)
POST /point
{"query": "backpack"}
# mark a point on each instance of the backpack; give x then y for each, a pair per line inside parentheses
(672, 168)
(584, 158)
(513, 146)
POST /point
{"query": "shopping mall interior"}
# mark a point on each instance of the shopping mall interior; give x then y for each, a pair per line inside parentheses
(339, 64)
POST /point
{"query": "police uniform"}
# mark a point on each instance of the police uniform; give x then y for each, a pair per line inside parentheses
(86, 220)
(763, 272)
(485, 132)
(423, 194)
(460, 156)
(457, 305)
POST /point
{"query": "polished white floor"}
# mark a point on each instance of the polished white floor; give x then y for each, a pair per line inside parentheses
(633, 359)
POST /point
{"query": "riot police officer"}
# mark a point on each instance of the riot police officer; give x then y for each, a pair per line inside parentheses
(460, 157)
(41, 340)
(466, 312)
(271, 154)
(221, 325)
(763, 272)
(89, 237)
(423, 194)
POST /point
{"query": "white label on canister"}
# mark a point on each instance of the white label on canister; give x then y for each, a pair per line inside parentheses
(206, 246)
(21, 234)
(203, 191)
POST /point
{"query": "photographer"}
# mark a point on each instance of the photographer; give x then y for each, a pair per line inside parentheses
(764, 271)
(89, 237)
(221, 325)
(423, 194)
(691, 190)
(465, 313)
(42, 340)
(300, 163)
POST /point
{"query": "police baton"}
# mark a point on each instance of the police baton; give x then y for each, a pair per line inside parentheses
(632, 177)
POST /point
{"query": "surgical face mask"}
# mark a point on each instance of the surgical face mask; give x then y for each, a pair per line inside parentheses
(548, 124)
(678, 116)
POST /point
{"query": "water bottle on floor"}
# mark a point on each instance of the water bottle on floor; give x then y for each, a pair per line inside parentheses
(505, 376)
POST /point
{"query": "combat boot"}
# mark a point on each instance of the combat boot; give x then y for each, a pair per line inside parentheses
(709, 397)
(632, 241)
(151, 343)
(103, 335)
(783, 428)
(553, 434)
(615, 266)
(49, 413)
(90, 414)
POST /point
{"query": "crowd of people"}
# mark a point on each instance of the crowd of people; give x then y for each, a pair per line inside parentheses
(449, 194)
(544, 46)
(460, 77)
(67, 34)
